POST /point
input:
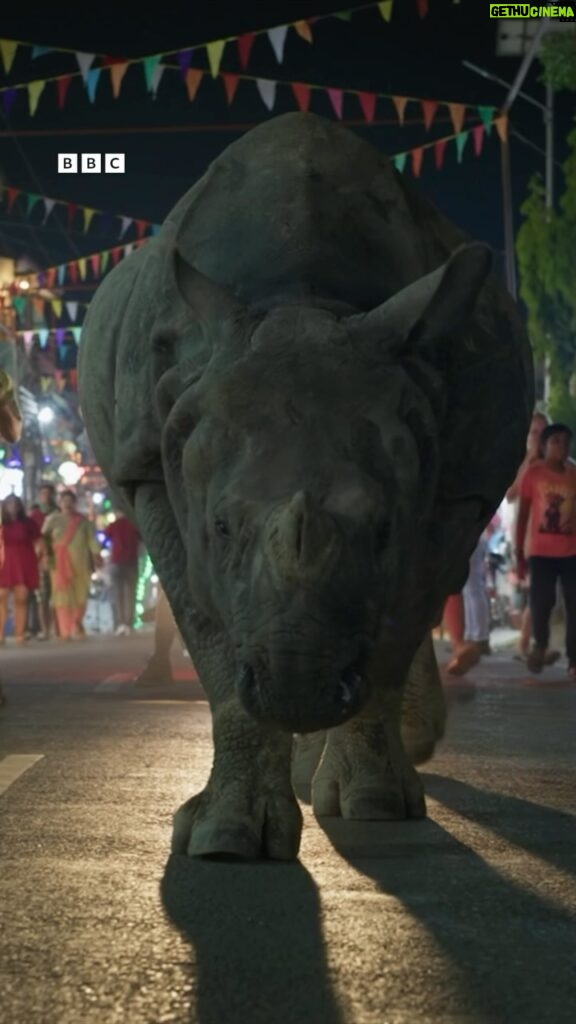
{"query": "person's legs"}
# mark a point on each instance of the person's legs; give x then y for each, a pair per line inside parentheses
(465, 655)
(45, 604)
(3, 613)
(66, 618)
(567, 568)
(20, 612)
(130, 584)
(543, 576)
(116, 581)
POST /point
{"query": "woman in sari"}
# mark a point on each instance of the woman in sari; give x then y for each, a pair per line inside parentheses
(73, 551)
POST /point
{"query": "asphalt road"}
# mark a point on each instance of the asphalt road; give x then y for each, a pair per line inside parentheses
(469, 916)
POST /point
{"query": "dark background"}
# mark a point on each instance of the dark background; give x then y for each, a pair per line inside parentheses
(410, 56)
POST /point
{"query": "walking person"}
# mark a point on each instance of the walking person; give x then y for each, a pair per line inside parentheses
(10, 431)
(73, 552)
(39, 512)
(548, 507)
(476, 604)
(19, 573)
(124, 541)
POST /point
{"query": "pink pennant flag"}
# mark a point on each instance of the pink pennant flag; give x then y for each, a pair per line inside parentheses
(429, 108)
(28, 337)
(367, 102)
(417, 155)
(478, 138)
(95, 263)
(336, 98)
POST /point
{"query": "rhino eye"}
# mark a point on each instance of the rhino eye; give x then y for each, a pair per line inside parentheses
(221, 527)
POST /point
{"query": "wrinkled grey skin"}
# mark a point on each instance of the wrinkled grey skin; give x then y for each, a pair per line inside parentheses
(310, 394)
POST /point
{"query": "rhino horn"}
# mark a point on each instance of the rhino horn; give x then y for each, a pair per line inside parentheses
(301, 542)
(208, 301)
(429, 308)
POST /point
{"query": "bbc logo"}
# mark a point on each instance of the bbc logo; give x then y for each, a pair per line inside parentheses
(91, 163)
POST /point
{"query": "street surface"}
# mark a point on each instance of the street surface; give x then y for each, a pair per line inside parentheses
(468, 917)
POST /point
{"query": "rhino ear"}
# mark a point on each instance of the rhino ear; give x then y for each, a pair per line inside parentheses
(208, 301)
(431, 307)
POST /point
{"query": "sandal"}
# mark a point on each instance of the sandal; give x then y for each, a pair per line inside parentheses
(466, 658)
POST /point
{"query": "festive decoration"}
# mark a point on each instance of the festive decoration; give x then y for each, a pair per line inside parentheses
(439, 146)
(10, 194)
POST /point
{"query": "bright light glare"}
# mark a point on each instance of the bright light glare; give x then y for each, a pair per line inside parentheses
(24, 284)
(97, 498)
(45, 414)
(70, 473)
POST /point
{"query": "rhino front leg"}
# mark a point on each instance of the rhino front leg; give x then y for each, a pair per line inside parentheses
(247, 809)
(423, 706)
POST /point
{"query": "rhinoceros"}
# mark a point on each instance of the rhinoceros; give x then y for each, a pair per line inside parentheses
(310, 393)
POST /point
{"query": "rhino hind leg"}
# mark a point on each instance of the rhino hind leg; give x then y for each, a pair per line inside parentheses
(423, 718)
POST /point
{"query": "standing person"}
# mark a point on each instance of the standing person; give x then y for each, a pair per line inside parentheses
(19, 573)
(548, 505)
(124, 542)
(10, 431)
(532, 457)
(43, 508)
(73, 549)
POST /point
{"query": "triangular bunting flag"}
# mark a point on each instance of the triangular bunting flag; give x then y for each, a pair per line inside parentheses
(72, 209)
(73, 272)
(31, 201)
(155, 229)
(245, 44)
(8, 99)
(126, 222)
(215, 51)
(367, 102)
(39, 306)
(12, 194)
(486, 116)
(343, 15)
(49, 205)
(157, 78)
(439, 149)
(19, 304)
(460, 140)
(422, 6)
(95, 264)
(230, 85)
(91, 81)
(417, 155)
(57, 307)
(85, 61)
(429, 108)
(117, 72)
(141, 226)
(184, 61)
(72, 310)
(336, 98)
(61, 90)
(61, 271)
(82, 268)
(150, 64)
(115, 253)
(50, 277)
(88, 215)
(267, 90)
(277, 37)
(302, 95)
(28, 338)
(477, 138)
(501, 124)
(60, 333)
(104, 257)
(193, 78)
(457, 115)
(400, 161)
(128, 248)
(8, 51)
(303, 29)
(385, 9)
(35, 90)
(43, 335)
(77, 333)
(39, 51)
(400, 104)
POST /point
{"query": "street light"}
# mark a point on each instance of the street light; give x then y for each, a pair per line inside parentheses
(45, 415)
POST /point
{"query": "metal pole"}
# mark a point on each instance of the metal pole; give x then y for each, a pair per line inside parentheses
(549, 123)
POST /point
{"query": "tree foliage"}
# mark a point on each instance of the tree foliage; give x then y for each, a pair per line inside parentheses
(546, 249)
(558, 57)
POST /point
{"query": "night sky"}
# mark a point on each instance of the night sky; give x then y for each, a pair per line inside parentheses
(408, 56)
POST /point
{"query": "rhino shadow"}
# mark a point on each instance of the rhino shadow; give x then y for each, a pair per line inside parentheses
(256, 938)
(506, 953)
(525, 824)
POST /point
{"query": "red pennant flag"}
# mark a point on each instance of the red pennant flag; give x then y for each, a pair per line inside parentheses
(422, 6)
(72, 209)
(12, 194)
(61, 90)
(439, 148)
(417, 155)
(115, 254)
(108, 61)
(245, 44)
(302, 95)
(336, 100)
(73, 272)
(478, 137)
(95, 263)
(51, 277)
(400, 104)
(141, 226)
(367, 102)
(429, 108)
(230, 85)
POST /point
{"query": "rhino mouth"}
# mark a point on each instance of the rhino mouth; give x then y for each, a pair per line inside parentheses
(294, 707)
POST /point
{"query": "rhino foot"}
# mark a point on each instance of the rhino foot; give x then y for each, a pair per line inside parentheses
(357, 782)
(423, 720)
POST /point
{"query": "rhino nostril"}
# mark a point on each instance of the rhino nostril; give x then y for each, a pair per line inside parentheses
(351, 681)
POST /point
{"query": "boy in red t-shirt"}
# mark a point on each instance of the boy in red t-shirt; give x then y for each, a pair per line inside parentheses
(548, 502)
(124, 541)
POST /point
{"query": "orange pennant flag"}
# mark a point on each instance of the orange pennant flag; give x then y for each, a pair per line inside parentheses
(429, 108)
(417, 155)
(502, 127)
(193, 78)
(400, 104)
(230, 85)
(117, 72)
(477, 138)
(303, 29)
(457, 113)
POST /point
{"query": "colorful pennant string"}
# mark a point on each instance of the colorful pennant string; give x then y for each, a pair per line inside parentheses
(460, 139)
(10, 195)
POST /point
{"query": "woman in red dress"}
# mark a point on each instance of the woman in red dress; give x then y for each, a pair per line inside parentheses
(19, 574)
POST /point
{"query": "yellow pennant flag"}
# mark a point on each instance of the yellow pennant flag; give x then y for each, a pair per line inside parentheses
(117, 72)
(303, 29)
(88, 214)
(215, 51)
(57, 306)
(35, 90)
(8, 51)
(82, 268)
(501, 124)
(385, 9)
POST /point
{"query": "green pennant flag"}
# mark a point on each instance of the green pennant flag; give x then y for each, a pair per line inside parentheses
(343, 15)
(487, 117)
(31, 201)
(76, 331)
(400, 161)
(19, 304)
(104, 261)
(461, 141)
(150, 64)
